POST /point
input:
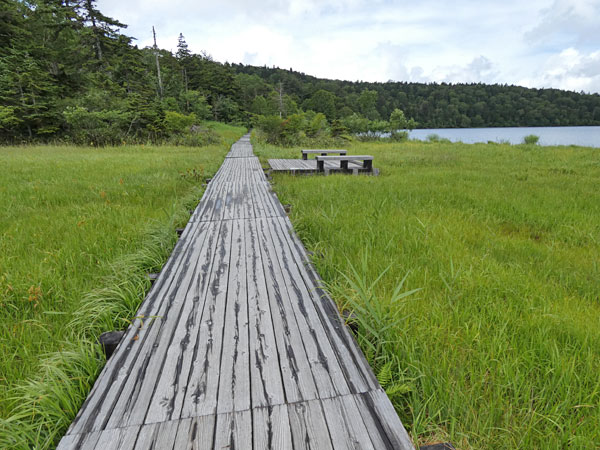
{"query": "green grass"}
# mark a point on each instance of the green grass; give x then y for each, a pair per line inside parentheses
(500, 347)
(79, 229)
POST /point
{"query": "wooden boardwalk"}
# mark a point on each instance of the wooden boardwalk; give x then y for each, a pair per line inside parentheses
(239, 347)
(309, 166)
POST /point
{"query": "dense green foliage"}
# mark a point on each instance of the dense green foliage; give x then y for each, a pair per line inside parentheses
(501, 346)
(430, 105)
(74, 253)
(67, 73)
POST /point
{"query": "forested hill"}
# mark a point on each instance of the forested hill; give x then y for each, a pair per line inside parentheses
(435, 105)
(68, 73)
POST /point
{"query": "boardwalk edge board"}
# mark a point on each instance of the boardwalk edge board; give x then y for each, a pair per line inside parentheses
(244, 350)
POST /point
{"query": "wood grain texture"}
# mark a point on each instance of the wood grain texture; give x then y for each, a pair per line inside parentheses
(118, 438)
(294, 364)
(265, 370)
(196, 433)
(234, 431)
(347, 428)
(203, 383)
(309, 426)
(234, 384)
(271, 428)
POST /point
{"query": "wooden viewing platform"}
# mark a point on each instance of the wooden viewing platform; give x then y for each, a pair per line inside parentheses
(305, 167)
(237, 347)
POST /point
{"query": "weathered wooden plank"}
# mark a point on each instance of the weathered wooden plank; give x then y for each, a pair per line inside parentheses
(203, 383)
(295, 367)
(259, 195)
(383, 421)
(211, 208)
(157, 436)
(236, 198)
(247, 205)
(241, 196)
(267, 204)
(357, 371)
(309, 426)
(229, 198)
(205, 209)
(118, 438)
(86, 441)
(170, 377)
(233, 430)
(345, 424)
(265, 373)
(134, 399)
(327, 373)
(68, 442)
(234, 384)
(271, 428)
(196, 433)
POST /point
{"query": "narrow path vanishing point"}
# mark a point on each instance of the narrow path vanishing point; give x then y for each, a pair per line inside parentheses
(239, 348)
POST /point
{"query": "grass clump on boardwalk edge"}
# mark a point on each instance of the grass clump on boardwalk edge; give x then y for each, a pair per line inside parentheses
(377, 317)
(501, 347)
(43, 407)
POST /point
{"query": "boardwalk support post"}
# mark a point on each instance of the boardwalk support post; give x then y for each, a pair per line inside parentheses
(152, 277)
(109, 341)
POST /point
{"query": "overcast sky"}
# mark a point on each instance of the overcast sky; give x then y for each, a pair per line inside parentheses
(534, 43)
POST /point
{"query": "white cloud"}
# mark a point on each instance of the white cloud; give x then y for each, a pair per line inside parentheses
(431, 40)
(568, 22)
(570, 69)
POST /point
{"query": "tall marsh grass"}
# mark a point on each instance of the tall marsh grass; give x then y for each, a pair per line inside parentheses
(80, 229)
(501, 346)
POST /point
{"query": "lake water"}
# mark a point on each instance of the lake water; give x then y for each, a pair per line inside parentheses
(584, 136)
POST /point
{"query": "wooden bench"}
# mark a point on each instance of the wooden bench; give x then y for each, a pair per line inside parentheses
(367, 161)
(323, 152)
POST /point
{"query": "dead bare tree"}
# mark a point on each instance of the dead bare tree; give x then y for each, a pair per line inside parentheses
(160, 85)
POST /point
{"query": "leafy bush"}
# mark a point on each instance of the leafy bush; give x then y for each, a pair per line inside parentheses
(197, 104)
(437, 139)
(356, 123)
(98, 128)
(399, 136)
(531, 139)
(178, 123)
(196, 136)
(317, 126)
(271, 127)
(398, 121)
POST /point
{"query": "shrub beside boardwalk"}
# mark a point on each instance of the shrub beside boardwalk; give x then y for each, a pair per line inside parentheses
(501, 346)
